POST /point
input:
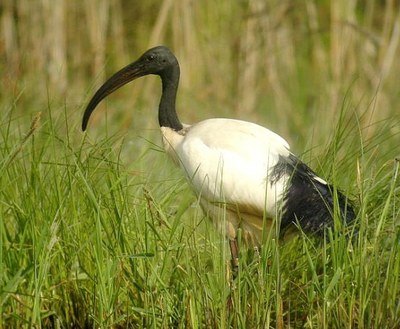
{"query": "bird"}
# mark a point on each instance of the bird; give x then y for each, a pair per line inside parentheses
(245, 175)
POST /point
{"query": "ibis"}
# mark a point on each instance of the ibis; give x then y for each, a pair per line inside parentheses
(244, 175)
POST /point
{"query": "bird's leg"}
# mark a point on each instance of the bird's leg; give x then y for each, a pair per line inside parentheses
(257, 254)
(233, 245)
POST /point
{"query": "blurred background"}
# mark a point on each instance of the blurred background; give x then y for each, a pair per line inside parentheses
(292, 66)
(98, 230)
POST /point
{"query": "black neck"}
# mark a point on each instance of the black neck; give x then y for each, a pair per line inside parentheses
(167, 116)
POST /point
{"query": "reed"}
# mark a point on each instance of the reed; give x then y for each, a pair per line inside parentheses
(98, 230)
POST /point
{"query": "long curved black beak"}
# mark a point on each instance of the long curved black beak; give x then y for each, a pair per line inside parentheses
(128, 73)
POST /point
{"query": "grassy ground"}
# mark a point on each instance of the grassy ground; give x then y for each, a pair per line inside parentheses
(90, 239)
(100, 230)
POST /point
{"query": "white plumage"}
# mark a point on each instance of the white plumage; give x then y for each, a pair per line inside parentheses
(227, 162)
(244, 174)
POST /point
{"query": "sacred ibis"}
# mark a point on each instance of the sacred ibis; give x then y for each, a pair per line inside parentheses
(241, 168)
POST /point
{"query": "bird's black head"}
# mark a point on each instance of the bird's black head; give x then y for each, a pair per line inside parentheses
(158, 60)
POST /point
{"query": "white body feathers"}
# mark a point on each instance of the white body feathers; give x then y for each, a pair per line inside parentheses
(228, 163)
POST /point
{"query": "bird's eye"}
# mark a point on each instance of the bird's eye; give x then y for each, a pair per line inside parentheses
(151, 57)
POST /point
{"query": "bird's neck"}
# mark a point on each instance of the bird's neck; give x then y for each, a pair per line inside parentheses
(167, 116)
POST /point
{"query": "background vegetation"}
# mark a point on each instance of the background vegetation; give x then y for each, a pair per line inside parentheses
(98, 230)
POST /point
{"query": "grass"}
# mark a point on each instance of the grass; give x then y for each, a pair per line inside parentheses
(99, 232)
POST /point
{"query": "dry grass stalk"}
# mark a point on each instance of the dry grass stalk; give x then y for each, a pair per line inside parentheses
(249, 58)
(97, 15)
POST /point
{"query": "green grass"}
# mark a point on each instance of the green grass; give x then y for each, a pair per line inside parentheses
(99, 230)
